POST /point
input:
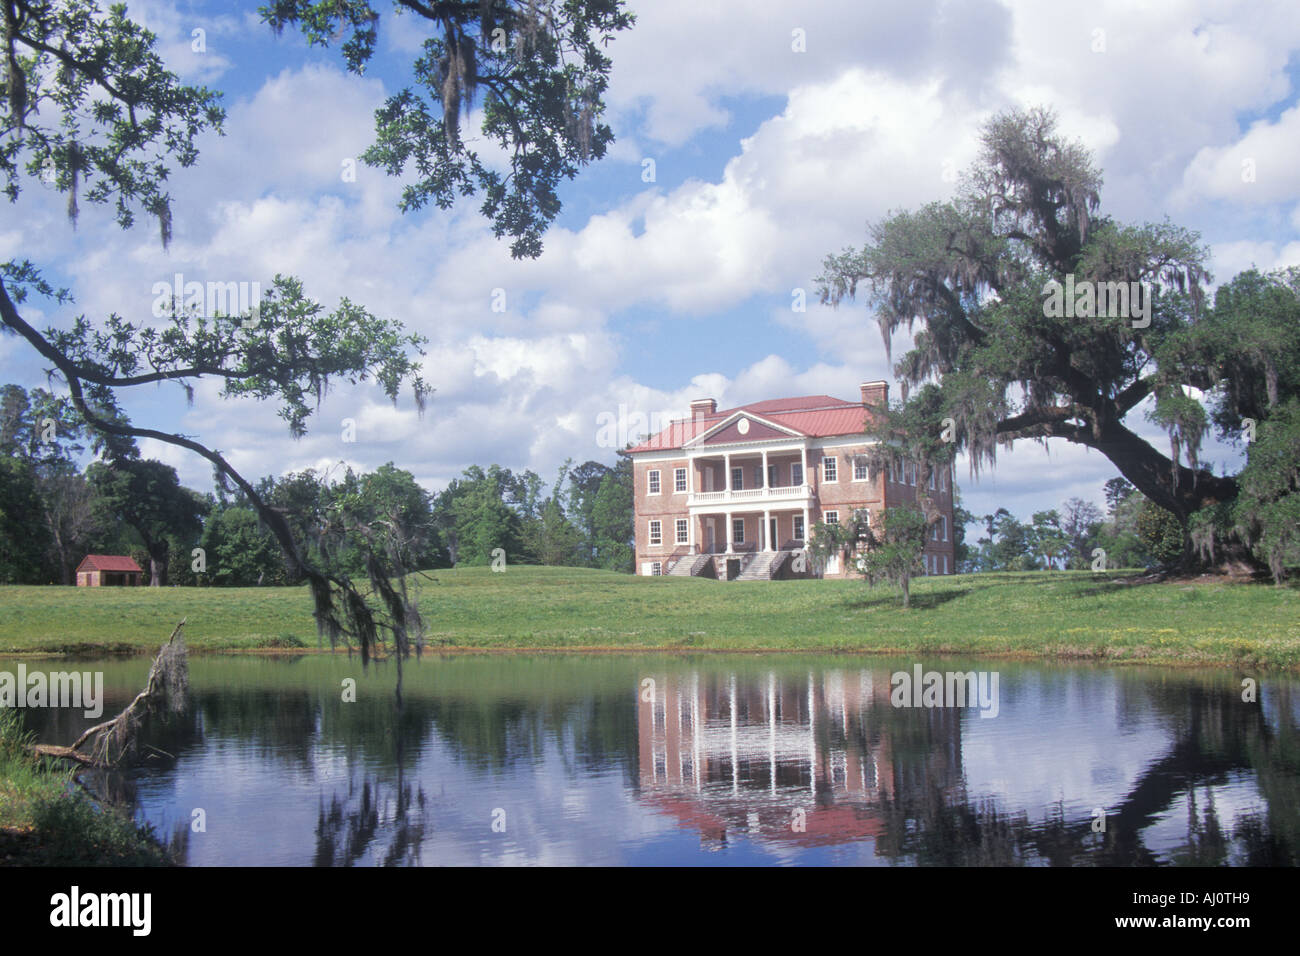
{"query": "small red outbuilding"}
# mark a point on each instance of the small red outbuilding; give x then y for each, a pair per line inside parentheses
(107, 570)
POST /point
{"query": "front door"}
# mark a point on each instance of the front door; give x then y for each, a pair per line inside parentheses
(708, 538)
(772, 541)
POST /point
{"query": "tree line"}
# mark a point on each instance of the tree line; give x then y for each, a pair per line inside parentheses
(1132, 532)
(53, 512)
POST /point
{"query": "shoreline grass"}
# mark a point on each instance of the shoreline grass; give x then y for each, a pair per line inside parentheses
(45, 820)
(1108, 617)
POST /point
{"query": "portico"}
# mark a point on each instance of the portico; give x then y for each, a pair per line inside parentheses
(747, 489)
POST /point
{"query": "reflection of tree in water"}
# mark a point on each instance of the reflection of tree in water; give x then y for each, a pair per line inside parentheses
(1217, 738)
(590, 734)
(352, 824)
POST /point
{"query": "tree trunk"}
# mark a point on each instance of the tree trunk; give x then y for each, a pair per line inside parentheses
(1150, 472)
(158, 553)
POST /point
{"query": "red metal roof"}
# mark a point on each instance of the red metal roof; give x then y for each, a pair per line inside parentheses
(108, 562)
(816, 416)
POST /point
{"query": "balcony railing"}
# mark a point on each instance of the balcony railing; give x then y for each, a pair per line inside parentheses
(751, 495)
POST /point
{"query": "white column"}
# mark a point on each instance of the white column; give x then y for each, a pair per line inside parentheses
(812, 738)
(726, 479)
(767, 530)
(764, 467)
(805, 524)
(728, 532)
(771, 728)
(735, 769)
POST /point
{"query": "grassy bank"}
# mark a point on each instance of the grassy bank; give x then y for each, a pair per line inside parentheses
(1049, 614)
(45, 820)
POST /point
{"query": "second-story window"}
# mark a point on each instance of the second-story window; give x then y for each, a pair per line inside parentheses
(652, 479)
(828, 470)
(679, 479)
(796, 473)
(860, 469)
(737, 479)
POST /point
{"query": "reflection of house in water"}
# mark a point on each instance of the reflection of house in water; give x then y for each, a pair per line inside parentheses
(762, 755)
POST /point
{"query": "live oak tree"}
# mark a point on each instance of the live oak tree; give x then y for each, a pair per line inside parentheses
(147, 496)
(993, 362)
(45, 432)
(88, 108)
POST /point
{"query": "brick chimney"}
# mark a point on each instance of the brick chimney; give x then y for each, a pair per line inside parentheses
(703, 406)
(875, 393)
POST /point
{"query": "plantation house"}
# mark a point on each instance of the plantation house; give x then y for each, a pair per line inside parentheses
(734, 494)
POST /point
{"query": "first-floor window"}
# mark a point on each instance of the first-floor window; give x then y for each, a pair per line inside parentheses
(798, 527)
(681, 530)
(863, 517)
(656, 533)
(738, 531)
(832, 517)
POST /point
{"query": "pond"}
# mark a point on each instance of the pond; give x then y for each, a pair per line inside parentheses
(710, 760)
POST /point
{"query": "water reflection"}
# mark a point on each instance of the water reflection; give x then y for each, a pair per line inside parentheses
(1139, 769)
(641, 760)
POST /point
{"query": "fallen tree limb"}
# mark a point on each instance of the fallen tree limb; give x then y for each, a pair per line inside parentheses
(116, 740)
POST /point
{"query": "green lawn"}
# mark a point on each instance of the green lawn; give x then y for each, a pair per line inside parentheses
(1053, 614)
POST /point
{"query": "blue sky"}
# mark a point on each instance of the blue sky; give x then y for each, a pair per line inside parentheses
(652, 294)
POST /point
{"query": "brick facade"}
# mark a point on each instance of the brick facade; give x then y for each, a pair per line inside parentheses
(719, 457)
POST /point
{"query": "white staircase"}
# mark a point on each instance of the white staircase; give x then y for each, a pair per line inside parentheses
(688, 565)
(762, 566)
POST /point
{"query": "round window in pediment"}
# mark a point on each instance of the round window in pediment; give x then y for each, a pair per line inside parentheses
(742, 426)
